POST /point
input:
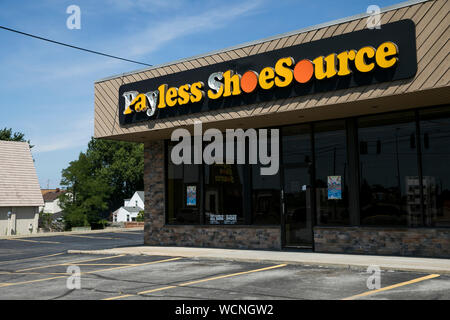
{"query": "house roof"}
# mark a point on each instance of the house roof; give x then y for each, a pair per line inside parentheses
(19, 185)
(133, 209)
(53, 195)
(140, 194)
(44, 191)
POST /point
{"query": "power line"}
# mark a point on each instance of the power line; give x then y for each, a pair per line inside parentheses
(71, 46)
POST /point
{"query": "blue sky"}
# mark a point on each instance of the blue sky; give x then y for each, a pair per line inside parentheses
(47, 91)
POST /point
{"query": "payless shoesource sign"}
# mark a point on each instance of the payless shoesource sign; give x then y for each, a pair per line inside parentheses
(354, 59)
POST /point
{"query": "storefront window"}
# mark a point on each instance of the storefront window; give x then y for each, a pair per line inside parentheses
(317, 184)
(265, 196)
(224, 194)
(331, 173)
(388, 170)
(224, 191)
(184, 194)
(435, 145)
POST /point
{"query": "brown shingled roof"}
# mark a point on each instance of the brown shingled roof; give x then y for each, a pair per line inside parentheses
(50, 196)
(44, 191)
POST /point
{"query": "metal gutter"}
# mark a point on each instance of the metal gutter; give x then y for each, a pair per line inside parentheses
(282, 35)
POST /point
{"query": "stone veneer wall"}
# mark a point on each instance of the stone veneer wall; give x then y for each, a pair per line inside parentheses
(156, 232)
(420, 242)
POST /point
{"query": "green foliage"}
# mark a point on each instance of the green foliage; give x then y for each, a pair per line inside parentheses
(97, 183)
(8, 135)
(103, 223)
(45, 220)
(74, 217)
(140, 217)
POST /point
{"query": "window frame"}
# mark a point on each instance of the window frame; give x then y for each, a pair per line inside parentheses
(354, 179)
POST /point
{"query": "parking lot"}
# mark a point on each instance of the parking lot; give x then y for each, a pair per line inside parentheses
(37, 268)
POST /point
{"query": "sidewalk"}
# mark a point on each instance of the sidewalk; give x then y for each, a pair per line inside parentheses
(359, 262)
(52, 234)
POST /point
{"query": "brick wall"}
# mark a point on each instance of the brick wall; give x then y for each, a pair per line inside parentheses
(157, 233)
(419, 242)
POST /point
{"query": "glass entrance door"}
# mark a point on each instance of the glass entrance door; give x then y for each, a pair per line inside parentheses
(297, 207)
(297, 190)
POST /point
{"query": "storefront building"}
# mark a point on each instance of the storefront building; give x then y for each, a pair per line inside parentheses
(363, 119)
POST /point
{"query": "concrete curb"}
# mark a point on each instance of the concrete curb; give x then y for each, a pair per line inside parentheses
(53, 234)
(320, 262)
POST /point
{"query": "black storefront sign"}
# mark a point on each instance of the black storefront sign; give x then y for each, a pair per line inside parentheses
(401, 34)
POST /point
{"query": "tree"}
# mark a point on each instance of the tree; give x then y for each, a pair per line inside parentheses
(7, 135)
(45, 220)
(141, 216)
(121, 164)
(97, 183)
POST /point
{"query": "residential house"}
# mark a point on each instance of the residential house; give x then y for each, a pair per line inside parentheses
(20, 193)
(129, 211)
(51, 200)
(52, 203)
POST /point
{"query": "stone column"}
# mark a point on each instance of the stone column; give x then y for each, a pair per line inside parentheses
(154, 190)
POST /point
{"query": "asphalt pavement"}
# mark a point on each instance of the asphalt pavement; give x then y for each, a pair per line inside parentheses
(26, 247)
(40, 268)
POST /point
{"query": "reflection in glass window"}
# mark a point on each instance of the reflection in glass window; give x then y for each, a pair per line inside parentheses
(296, 142)
(265, 195)
(435, 144)
(183, 182)
(223, 194)
(224, 189)
(297, 171)
(331, 173)
(388, 170)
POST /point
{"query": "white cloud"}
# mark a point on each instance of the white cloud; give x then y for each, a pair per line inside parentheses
(157, 35)
(76, 134)
(65, 142)
(149, 38)
(75, 69)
